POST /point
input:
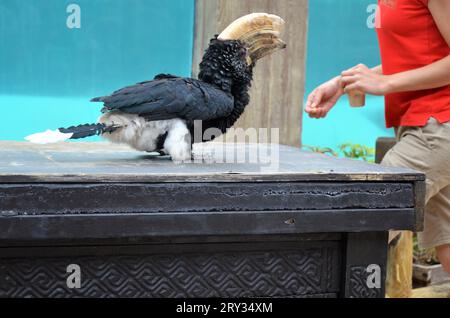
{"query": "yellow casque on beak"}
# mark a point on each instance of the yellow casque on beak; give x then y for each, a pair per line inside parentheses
(259, 32)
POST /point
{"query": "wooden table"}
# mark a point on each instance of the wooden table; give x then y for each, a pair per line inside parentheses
(141, 226)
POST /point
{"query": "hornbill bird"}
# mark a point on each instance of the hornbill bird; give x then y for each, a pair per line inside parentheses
(160, 115)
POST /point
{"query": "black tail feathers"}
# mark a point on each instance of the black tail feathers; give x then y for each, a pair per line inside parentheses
(88, 130)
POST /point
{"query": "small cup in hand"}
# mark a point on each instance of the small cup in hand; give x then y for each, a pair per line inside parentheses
(357, 98)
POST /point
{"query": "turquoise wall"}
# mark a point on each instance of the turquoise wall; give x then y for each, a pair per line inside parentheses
(49, 72)
(339, 38)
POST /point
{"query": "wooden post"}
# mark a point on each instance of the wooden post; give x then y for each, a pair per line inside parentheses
(399, 266)
(400, 252)
(278, 86)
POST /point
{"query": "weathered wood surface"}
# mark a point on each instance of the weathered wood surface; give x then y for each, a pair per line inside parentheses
(145, 225)
(66, 190)
(383, 145)
(38, 198)
(278, 87)
(106, 163)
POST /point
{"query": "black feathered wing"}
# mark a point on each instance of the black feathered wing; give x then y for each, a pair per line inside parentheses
(170, 97)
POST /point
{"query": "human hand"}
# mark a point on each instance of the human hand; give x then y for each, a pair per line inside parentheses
(363, 79)
(323, 98)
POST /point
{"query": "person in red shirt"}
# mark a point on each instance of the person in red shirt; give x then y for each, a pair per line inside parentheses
(414, 77)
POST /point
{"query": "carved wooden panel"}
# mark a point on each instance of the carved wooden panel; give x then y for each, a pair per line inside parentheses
(253, 273)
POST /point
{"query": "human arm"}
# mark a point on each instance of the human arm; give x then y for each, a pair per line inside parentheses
(431, 76)
(325, 96)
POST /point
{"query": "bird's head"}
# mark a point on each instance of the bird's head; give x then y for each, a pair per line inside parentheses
(231, 56)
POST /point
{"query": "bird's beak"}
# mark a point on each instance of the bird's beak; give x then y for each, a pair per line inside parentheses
(259, 32)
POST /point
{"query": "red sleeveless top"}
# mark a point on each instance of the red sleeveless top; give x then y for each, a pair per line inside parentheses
(410, 39)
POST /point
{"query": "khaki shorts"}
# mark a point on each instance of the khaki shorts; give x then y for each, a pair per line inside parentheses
(427, 149)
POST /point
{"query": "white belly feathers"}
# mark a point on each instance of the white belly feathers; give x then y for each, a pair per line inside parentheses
(143, 135)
